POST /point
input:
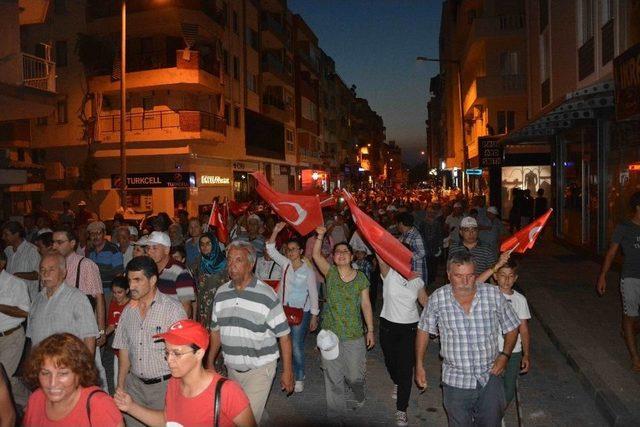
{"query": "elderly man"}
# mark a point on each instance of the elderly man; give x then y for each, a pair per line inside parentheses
(484, 256)
(469, 317)
(253, 236)
(106, 254)
(143, 371)
(413, 239)
(247, 319)
(174, 279)
(60, 307)
(23, 259)
(14, 309)
(122, 236)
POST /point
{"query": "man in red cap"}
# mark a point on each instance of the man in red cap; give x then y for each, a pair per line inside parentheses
(191, 391)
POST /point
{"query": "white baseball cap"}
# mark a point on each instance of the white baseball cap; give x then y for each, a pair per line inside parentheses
(159, 238)
(132, 230)
(328, 344)
(493, 210)
(143, 241)
(468, 222)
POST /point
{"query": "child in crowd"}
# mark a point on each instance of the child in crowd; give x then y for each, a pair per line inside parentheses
(506, 275)
(120, 289)
(179, 254)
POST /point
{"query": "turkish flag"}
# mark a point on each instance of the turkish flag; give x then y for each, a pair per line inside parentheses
(394, 253)
(216, 219)
(302, 212)
(526, 238)
(237, 208)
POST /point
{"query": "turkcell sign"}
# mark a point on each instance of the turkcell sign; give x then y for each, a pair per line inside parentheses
(156, 180)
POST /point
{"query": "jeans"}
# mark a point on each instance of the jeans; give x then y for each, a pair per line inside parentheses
(298, 334)
(398, 343)
(482, 406)
(510, 377)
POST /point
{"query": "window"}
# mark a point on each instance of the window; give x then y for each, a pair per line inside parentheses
(288, 136)
(506, 121)
(252, 82)
(227, 113)
(61, 111)
(545, 57)
(586, 20)
(42, 121)
(236, 68)
(234, 22)
(509, 64)
(236, 117)
(544, 14)
(148, 103)
(308, 109)
(61, 53)
(60, 6)
(225, 61)
(252, 38)
(608, 11)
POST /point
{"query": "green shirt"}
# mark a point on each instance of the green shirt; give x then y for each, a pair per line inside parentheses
(341, 313)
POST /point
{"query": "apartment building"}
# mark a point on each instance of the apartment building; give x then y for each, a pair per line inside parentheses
(27, 90)
(574, 54)
(215, 90)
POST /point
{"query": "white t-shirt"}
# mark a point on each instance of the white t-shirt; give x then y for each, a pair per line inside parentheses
(400, 298)
(520, 306)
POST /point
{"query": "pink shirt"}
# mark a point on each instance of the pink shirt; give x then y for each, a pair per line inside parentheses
(90, 283)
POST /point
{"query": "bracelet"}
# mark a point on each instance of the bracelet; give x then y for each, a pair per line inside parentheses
(508, 356)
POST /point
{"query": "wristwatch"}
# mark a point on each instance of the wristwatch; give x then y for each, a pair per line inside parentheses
(508, 356)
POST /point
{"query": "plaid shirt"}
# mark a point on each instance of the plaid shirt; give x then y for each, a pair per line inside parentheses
(469, 342)
(413, 239)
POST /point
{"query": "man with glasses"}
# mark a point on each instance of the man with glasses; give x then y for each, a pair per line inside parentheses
(143, 371)
(106, 254)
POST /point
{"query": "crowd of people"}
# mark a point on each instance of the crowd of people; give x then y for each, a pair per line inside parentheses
(161, 322)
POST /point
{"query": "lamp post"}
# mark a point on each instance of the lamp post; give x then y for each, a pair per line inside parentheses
(123, 107)
(465, 149)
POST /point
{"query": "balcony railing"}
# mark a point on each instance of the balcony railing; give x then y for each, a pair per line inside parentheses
(97, 9)
(184, 120)
(500, 85)
(38, 73)
(163, 58)
(274, 101)
(492, 26)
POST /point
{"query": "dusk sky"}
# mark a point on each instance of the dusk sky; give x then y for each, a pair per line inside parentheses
(374, 44)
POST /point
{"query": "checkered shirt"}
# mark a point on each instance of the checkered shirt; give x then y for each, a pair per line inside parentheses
(413, 239)
(468, 342)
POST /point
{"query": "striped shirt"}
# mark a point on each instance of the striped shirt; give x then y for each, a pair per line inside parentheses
(413, 239)
(483, 255)
(249, 322)
(176, 281)
(90, 282)
(135, 334)
(109, 261)
(468, 342)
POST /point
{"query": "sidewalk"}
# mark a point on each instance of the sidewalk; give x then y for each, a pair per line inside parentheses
(560, 288)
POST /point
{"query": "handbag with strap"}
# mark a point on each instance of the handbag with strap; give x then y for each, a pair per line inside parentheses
(294, 314)
(216, 401)
(91, 298)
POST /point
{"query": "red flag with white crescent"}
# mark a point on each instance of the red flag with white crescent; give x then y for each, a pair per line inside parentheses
(394, 253)
(524, 239)
(217, 221)
(302, 212)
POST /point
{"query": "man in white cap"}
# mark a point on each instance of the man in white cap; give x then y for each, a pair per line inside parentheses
(174, 279)
(452, 222)
(490, 234)
(484, 256)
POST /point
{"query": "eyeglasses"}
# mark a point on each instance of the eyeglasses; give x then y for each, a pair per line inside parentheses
(176, 354)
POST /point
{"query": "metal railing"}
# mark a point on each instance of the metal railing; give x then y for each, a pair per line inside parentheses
(274, 101)
(38, 73)
(167, 119)
(213, 122)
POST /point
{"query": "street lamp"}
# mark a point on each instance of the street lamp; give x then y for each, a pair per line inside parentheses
(465, 151)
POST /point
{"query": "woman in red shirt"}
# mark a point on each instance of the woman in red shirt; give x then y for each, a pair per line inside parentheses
(63, 368)
(191, 391)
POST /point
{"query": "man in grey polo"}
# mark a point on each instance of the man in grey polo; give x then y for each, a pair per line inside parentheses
(484, 256)
(247, 320)
(60, 308)
(469, 317)
(143, 371)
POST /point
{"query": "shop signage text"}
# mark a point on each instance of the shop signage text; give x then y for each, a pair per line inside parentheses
(473, 171)
(489, 152)
(626, 73)
(214, 180)
(156, 180)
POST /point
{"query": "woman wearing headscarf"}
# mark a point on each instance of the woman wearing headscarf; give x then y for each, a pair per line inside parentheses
(210, 271)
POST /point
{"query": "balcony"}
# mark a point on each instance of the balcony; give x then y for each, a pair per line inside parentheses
(38, 73)
(494, 27)
(180, 70)
(274, 33)
(275, 107)
(488, 87)
(271, 64)
(163, 125)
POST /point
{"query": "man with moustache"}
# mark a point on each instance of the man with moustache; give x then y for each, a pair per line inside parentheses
(143, 371)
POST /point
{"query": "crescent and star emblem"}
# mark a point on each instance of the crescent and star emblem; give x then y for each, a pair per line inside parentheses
(302, 214)
(534, 232)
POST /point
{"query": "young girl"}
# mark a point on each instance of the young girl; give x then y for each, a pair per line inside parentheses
(120, 289)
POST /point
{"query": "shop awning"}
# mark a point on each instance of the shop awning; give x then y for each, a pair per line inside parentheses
(582, 104)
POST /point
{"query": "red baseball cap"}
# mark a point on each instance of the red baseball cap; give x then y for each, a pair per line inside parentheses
(185, 332)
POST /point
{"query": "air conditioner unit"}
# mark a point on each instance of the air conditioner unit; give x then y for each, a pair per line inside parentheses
(54, 171)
